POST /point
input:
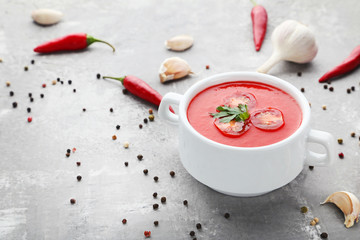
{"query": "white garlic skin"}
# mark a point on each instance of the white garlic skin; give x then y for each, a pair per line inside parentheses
(174, 68)
(292, 41)
(179, 43)
(46, 16)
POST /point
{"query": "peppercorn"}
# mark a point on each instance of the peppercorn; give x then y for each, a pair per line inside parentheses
(140, 126)
(98, 76)
(140, 157)
(185, 202)
(14, 104)
(324, 107)
(68, 150)
(114, 137)
(331, 89)
(58, 79)
(42, 95)
(31, 99)
(126, 164)
(79, 178)
(11, 93)
(32, 61)
(124, 221)
(150, 111)
(172, 173)
(155, 206)
(29, 119)
(145, 171)
(151, 118)
(352, 134)
(26, 68)
(156, 178)
(69, 82)
(72, 201)
(353, 88)
(156, 223)
(192, 233)
(316, 219)
(324, 235)
(302, 89)
(111, 110)
(311, 167)
(117, 127)
(124, 91)
(84, 109)
(227, 215)
(304, 209)
(53, 82)
(145, 120)
(74, 90)
(312, 222)
(43, 85)
(62, 82)
(325, 86)
(126, 145)
(67, 154)
(147, 234)
(198, 226)
(207, 67)
(341, 155)
(340, 141)
(348, 90)
(155, 194)
(163, 199)
(299, 74)
(7, 83)
(78, 163)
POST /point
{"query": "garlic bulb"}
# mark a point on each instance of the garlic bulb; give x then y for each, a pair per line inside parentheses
(174, 68)
(46, 16)
(179, 43)
(292, 41)
(349, 205)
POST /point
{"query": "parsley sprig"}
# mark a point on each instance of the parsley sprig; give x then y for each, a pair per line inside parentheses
(227, 114)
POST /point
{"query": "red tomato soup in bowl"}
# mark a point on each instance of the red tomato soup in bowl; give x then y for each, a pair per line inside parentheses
(244, 114)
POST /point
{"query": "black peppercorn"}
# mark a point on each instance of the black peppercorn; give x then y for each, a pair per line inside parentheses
(331, 89)
(163, 199)
(98, 76)
(185, 202)
(28, 109)
(227, 215)
(140, 126)
(192, 233)
(348, 90)
(198, 226)
(84, 109)
(126, 164)
(155, 194)
(324, 235)
(31, 99)
(62, 82)
(145, 171)
(11, 93)
(325, 86)
(299, 74)
(172, 173)
(69, 82)
(155, 206)
(79, 178)
(111, 110)
(26, 68)
(125, 91)
(311, 167)
(78, 163)
(145, 120)
(117, 127)
(352, 134)
(42, 95)
(74, 90)
(68, 151)
(140, 157)
(353, 88)
(302, 89)
(14, 104)
(72, 201)
(30, 94)
(156, 178)
(156, 223)
(58, 79)
(32, 61)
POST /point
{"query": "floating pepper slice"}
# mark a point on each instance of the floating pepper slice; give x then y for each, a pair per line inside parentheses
(241, 98)
(267, 119)
(232, 128)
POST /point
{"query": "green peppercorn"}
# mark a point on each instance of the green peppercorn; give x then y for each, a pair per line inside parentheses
(304, 209)
(340, 141)
(26, 68)
(151, 118)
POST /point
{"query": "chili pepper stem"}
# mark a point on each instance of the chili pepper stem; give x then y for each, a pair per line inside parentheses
(253, 2)
(121, 79)
(90, 39)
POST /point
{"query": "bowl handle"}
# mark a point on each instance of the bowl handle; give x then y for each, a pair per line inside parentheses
(164, 111)
(325, 139)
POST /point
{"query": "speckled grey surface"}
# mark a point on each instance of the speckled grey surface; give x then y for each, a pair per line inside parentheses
(37, 180)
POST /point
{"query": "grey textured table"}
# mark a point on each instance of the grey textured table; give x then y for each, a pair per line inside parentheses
(37, 180)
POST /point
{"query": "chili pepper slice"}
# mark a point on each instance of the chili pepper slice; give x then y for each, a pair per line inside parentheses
(259, 23)
(267, 119)
(349, 64)
(140, 89)
(232, 128)
(237, 98)
(70, 42)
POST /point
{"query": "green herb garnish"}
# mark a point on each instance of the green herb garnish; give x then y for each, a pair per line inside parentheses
(227, 114)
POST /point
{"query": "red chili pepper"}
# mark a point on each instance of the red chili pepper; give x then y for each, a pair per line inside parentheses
(259, 22)
(140, 89)
(349, 64)
(71, 42)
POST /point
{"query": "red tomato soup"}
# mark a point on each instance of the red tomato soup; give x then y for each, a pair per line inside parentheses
(273, 114)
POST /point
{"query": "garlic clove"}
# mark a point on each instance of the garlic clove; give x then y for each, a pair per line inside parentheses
(348, 203)
(46, 16)
(173, 68)
(292, 41)
(179, 43)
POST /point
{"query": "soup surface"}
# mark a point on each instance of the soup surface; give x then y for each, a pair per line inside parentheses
(260, 98)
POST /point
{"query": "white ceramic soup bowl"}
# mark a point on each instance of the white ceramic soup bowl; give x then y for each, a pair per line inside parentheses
(246, 171)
